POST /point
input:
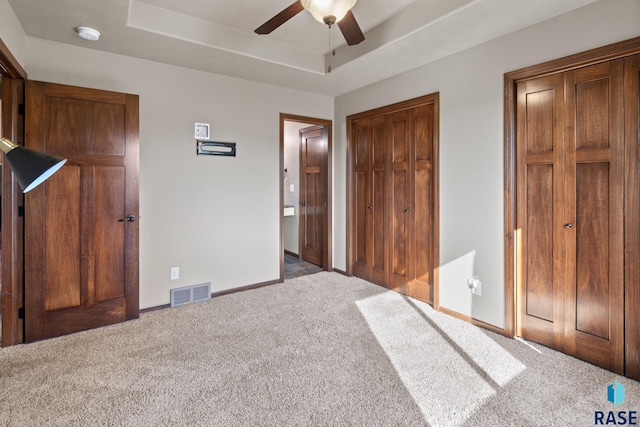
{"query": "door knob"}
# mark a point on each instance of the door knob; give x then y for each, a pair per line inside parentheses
(567, 226)
(370, 207)
(130, 218)
(407, 210)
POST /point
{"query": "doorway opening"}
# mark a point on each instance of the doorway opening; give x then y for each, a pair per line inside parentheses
(305, 196)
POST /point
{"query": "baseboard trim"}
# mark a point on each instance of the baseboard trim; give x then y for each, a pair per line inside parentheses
(291, 253)
(344, 273)
(154, 308)
(217, 294)
(244, 288)
(473, 321)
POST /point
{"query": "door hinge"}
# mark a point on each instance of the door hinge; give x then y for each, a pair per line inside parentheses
(21, 109)
(21, 313)
(21, 211)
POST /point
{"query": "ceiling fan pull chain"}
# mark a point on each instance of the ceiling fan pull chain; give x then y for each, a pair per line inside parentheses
(332, 49)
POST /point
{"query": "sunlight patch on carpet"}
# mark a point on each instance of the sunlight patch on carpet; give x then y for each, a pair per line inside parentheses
(442, 369)
(489, 356)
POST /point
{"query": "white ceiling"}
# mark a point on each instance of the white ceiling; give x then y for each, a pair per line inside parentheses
(217, 35)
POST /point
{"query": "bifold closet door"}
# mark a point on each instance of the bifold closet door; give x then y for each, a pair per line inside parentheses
(370, 200)
(570, 204)
(411, 198)
(540, 226)
(423, 191)
(401, 230)
(632, 217)
(594, 206)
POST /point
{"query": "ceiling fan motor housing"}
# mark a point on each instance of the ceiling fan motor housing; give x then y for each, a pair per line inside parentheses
(329, 20)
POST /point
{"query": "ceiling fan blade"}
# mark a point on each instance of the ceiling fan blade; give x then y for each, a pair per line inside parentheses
(280, 18)
(350, 29)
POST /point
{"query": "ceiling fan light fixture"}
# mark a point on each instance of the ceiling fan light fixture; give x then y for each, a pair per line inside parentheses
(328, 11)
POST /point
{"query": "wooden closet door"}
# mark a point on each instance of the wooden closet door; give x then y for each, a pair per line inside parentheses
(377, 210)
(401, 227)
(632, 217)
(540, 210)
(594, 214)
(570, 212)
(370, 200)
(361, 182)
(423, 188)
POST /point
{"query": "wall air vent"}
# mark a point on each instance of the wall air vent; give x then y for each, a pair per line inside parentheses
(189, 294)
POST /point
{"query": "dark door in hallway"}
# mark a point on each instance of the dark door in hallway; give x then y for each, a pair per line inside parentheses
(313, 193)
(81, 233)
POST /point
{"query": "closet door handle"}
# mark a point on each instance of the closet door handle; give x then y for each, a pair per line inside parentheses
(568, 226)
(369, 207)
(407, 210)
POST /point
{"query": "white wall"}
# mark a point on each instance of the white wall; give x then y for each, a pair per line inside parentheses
(215, 218)
(292, 164)
(471, 141)
(11, 32)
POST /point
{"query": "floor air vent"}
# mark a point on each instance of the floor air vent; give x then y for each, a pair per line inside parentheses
(188, 294)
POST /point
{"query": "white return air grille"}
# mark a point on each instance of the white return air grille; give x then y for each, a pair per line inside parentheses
(188, 294)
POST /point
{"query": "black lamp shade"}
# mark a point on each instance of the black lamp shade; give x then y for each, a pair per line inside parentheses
(31, 168)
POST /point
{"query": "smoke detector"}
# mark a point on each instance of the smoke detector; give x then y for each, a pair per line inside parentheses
(88, 33)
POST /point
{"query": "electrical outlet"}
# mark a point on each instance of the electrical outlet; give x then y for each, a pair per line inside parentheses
(175, 273)
(477, 289)
(291, 188)
(475, 285)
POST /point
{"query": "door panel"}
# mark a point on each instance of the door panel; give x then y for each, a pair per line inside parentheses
(632, 215)
(421, 285)
(370, 188)
(101, 134)
(360, 134)
(540, 298)
(539, 223)
(377, 208)
(81, 261)
(594, 182)
(592, 254)
(400, 189)
(109, 241)
(62, 240)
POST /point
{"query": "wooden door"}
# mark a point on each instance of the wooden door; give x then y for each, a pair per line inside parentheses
(412, 238)
(370, 199)
(401, 215)
(570, 213)
(81, 254)
(393, 188)
(540, 210)
(594, 205)
(424, 237)
(632, 217)
(313, 193)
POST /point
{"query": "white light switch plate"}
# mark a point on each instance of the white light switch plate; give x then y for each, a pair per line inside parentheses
(202, 130)
(175, 273)
(291, 188)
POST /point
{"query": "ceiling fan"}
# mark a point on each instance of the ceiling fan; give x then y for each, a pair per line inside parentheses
(328, 12)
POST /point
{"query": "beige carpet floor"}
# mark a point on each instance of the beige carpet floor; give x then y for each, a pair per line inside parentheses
(319, 350)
